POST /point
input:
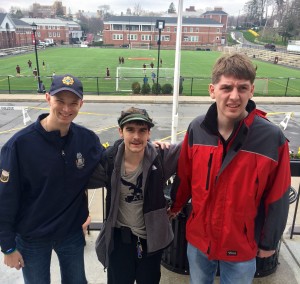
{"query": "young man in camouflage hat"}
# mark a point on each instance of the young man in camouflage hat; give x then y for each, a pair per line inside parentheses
(44, 171)
(137, 228)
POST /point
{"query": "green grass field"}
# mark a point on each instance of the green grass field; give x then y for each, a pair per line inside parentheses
(90, 64)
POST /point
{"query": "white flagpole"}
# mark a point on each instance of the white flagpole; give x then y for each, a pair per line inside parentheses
(177, 73)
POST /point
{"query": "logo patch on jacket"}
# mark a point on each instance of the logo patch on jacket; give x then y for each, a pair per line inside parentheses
(232, 253)
(79, 161)
(4, 176)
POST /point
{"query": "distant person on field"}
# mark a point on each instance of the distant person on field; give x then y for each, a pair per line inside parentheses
(53, 75)
(44, 65)
(151, 65)
(145, 80)
(144, 68)
(153, 76)
(120, 60)
(42, 87)
(35, 73)
(29, 64)
(123, 60)
(181, 79)
(107, 73)
(160, 61)
(18, 69)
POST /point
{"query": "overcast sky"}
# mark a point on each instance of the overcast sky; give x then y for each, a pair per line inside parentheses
(232, 7)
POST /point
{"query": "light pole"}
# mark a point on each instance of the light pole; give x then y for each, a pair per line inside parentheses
(34, 28)
(160, 24)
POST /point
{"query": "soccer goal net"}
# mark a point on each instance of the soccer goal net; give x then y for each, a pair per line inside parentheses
(125, 76)
(261, 86)
(139, 45)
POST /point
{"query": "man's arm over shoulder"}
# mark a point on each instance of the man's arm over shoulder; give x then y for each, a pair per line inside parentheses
(181, 188)
(170, 159)
(98, 177)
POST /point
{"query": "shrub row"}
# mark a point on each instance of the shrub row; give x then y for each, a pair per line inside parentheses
(156, 88)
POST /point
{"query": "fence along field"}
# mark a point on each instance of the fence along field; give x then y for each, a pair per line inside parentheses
(90, 65)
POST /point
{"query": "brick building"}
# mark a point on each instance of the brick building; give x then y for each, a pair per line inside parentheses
(61, 31)
(14, 32)
(123, 30)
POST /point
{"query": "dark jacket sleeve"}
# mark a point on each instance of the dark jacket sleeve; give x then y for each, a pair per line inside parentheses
(10, 188)
(276, 202)
(98, 178)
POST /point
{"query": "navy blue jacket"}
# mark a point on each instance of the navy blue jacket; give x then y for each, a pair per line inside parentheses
(43, 180)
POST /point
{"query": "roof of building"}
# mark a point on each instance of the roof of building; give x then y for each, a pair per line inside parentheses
(168, 20)
(215, 12)
(19, 22)
(49, 21)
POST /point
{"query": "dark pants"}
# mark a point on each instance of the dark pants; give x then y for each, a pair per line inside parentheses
(124, 265)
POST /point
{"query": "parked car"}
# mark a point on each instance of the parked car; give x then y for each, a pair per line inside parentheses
(270, 46)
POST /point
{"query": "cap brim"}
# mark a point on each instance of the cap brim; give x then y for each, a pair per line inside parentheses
(52, 93)
(135, 119)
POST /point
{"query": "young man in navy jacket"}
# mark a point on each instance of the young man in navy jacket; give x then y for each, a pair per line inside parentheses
(44, 169)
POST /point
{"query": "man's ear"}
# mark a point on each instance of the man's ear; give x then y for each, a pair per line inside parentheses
(120, 132)
(48, 97)
(211, 90)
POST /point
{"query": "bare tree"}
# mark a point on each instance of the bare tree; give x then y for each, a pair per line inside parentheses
(137, 9)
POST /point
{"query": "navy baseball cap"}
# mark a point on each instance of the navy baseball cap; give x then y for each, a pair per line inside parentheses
(66, 82)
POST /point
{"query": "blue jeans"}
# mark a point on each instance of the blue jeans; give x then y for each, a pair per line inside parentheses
(37, 258)
(203, 271)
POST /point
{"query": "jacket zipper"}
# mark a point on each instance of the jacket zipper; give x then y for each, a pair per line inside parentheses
(208, 171)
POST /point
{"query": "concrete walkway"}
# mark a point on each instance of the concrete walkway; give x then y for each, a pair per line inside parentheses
(288, 271)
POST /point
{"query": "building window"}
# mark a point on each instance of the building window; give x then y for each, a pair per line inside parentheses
(132, 37)
(165, 38)
(54, 34)
(194, 38)
(58, 34)
(175, 30)
(218, 30)
(146, 28)
(191, 30)
(117, 27)
(146, 37)
(197, 30)
(185, 29)
(168, 29)
(185, 38)
(117, 36)
(49, 34)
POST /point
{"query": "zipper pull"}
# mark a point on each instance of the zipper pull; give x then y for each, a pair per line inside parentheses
(139, 248)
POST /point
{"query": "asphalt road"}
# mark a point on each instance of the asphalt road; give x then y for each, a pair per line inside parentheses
(102, 119)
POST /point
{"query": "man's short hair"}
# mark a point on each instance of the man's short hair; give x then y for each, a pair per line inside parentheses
(136, 115)
(236, 65)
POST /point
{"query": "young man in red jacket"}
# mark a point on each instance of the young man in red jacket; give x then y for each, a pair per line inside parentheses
(234, 165)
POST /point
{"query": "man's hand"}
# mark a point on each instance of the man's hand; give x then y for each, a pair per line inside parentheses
(86, 224)
(14, 260)
(265, 253)
(171, 215)
(163, 145)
